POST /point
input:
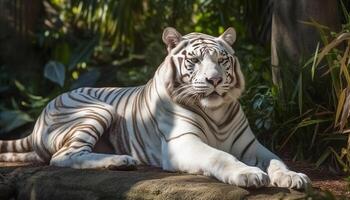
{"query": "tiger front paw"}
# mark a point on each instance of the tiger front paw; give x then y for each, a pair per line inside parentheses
(289, 179)
(249, 177)
(121, 162)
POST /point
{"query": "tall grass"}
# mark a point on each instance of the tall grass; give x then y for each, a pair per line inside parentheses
(315, 115)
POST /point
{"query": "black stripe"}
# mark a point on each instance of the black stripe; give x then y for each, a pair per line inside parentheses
(100, 94)
(95, 104)
(205, 43)
(109, 94)
(125, 137)
(190, 121)
(134, 120)
(103, 116)
(89, 91)
(90, 134)
(29, 144)
(21, 142)
(45, 114)
(239, 135)
(14, 146)
(95, 95)
(201, 39)
(3, 146)
(180, 59)
(173, 68)
(123, 92)
(246, 148)
(179, 48)
(152, 118)
(188, 133)
(80, 100)
(138, 154)
(80, 152)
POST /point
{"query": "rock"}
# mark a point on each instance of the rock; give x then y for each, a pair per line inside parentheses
(47, 182)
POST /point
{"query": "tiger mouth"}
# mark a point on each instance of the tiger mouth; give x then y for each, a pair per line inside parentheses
(214, 94)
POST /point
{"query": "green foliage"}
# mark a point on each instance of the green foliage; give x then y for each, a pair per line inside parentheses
(116, 43)
(312, 114)
(84, 43)
(55, 72)
(13, 119)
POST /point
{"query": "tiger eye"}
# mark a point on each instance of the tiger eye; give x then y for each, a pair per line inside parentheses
(220, 60)
(194, 60)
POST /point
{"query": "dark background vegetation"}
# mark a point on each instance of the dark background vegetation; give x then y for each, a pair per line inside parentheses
(294, 54)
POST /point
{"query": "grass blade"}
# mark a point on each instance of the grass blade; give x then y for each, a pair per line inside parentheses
(313, 67)
(341, 101)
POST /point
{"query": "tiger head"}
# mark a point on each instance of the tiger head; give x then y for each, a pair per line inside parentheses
(205, 70)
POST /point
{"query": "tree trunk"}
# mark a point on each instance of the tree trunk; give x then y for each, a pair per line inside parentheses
(294, 41)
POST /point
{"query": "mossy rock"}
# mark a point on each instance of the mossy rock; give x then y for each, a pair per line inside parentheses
(46, 182)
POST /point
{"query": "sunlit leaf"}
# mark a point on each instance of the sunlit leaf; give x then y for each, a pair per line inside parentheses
(300, 94)
(345, 111)
(341, 101)
(12, 119)
(19, 86)
(331, 45)
(55, 72)
(314, 62)
(302, 124)
(343, 65)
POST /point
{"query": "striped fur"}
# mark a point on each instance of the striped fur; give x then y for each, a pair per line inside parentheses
(187, 118)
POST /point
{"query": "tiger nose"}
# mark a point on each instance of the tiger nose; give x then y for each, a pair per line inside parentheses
(214, 80)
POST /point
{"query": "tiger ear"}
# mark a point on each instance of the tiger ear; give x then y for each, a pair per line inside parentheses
(229, 36)
(171, 38)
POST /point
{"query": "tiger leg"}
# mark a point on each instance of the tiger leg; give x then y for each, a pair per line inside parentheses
(249, 150)
(278, 172)
(78, 154)
(188, 153)
(20, 157)
(89, 118)
(82, 159)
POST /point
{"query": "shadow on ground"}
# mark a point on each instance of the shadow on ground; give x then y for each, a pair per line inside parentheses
(46, 182)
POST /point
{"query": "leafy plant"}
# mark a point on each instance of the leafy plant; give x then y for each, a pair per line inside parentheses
(55, 72)
(313, 119)
(118, 43)
(113, 43)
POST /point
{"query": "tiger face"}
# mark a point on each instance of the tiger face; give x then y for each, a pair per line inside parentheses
(207, 71)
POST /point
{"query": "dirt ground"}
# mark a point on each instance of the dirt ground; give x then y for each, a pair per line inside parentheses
(323, 179)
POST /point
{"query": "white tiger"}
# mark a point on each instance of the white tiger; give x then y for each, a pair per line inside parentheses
(187, 118)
